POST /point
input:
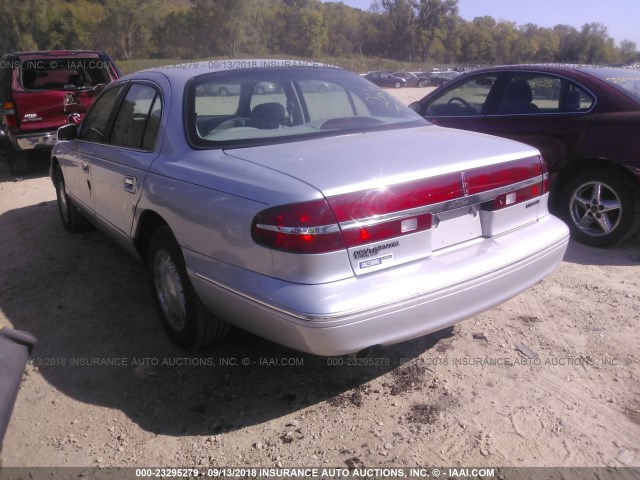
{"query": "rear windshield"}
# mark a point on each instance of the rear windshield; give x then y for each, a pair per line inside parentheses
(256, 106)
(64, 74)
(625, 79)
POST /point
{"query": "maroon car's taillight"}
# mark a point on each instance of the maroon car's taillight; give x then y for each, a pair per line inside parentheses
(9, 113)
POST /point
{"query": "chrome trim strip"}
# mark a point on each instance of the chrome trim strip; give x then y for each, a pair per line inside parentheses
(401, 215)
(320, 230)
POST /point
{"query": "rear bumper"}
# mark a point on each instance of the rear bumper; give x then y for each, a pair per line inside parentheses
(32, 141)
(388, 306)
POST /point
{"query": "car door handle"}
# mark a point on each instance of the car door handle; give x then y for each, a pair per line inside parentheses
(130, 184)
(85, 166)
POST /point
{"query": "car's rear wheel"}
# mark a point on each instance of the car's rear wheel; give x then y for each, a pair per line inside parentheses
(223, 91)
(260, 90)
(185, 318)
(397, 85)
(422, 83)
(601, 207)
(72, 219)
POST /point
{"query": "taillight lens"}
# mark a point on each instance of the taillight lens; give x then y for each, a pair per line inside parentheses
(369, 216)
(9, 113)
(308, 227)
(526, 169)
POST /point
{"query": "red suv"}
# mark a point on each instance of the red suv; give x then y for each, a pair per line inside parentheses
(38, 92)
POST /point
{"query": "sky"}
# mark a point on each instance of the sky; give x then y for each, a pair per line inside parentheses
(621, 17)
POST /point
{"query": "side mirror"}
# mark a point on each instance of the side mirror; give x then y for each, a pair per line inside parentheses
(68, 132)
(415, 106)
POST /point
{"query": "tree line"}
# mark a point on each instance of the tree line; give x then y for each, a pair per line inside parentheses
(426, 32)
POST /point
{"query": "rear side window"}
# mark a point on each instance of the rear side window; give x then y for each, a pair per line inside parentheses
(536, 93)
(63, 74)
(138, 119)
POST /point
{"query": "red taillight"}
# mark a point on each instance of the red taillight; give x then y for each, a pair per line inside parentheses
(396, 198)
(9, 113)
(532, 168)
(308, 227)
(497, 176)
(369, 216)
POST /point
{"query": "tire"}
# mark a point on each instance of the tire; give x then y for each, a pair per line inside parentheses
(259, 90)
(601, 207)
(183, 315)
(72, 219)
(397, 85)
(18, 162)
(223, 91)
(322, 89)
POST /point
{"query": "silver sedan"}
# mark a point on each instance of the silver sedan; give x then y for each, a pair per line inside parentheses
(327, 220)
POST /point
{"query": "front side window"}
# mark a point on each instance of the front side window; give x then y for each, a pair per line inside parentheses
(465, 99)
(137, 122)
(274, 105)
(95, 124)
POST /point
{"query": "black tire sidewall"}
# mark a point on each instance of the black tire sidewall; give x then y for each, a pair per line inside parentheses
(60, 191)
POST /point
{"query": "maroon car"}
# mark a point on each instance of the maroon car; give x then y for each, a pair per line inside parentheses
(584, 120)
(39, 90)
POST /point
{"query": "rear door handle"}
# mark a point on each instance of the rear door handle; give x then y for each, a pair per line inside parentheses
(130, 184)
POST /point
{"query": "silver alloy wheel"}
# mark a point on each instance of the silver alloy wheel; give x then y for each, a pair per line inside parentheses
(62, 199)
(595, 208)
(170, 290)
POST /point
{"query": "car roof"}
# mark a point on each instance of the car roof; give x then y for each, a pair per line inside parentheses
(546, 67)
(53, 53)
(187, 70)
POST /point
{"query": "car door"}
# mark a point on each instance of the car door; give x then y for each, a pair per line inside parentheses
(120, 164)
(464, 103)
(76, 163)
(549, 112)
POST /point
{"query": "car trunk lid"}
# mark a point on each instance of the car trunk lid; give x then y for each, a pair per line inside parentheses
(418, 203)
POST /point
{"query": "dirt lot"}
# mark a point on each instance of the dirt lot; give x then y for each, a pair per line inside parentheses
(466, 397)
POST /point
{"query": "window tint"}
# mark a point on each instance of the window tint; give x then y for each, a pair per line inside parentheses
(134, 117)
(465, 99)
(67, 74)
(325, 99)
(95, 124)
(266, 105)
(539, 93)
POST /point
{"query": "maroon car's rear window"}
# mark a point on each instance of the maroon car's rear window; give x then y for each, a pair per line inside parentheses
(63, 74)
(625, 79)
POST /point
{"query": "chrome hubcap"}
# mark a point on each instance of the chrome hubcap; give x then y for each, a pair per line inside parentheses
(170, 290)
(595, 209)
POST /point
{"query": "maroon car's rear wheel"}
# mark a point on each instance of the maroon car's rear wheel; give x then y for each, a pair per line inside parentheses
(601, 207)
(185, 318)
